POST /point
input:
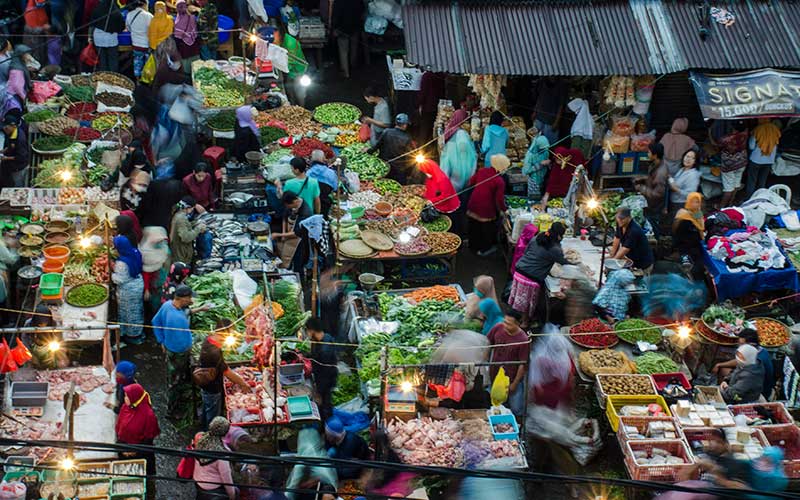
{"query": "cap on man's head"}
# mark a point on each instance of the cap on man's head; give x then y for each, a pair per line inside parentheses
(184, 291)
(401, 119)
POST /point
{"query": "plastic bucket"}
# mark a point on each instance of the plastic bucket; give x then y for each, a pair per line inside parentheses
(51, 266)
(56, 253)
(224, 23)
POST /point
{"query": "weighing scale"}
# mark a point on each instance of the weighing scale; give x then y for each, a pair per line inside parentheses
(368, 283)
(399, 401)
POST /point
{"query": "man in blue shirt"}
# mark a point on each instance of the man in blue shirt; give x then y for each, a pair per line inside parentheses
(171, 328)
(326, 177)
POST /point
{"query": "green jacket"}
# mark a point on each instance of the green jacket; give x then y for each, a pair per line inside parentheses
(181, 238)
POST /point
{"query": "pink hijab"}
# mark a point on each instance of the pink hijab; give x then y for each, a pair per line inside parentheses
(185, 24)
(454, 124)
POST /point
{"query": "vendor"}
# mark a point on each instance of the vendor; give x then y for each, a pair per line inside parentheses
(246, 132)
(345, 445)
(200, 186)
(394, 146)
(577, 294)
(495, 138)
(294, 245)
(750, 337)
(486, 203)
(323, 368)
(381, 116)
(438, 188)
(614, 297)
(46, 347)
(136, 158)
(15, 155)
(676, 143)
(212, 368)
(483, 288)
(127, 276)
(685, 181)
(178, 272)
(181, 232)
(630, 242)
(688, 231)
(654, 186)
(326, 178)
(510, 350)
(302, 185)
(746, 383)
(562, 168)
(533, 268)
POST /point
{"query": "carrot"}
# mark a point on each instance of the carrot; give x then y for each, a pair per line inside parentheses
(437, 292)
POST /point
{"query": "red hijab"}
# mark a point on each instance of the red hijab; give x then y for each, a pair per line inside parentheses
(438, 188)
(137, 424)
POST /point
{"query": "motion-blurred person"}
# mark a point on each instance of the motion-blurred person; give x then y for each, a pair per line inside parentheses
(46, 347)
(486, 203)
(750, 337)
(388, 483)
(767, 473)
(464, 348)
(613, 298)
(309, 444)
(345, 445)
(459, 158)
(577, 294)
(672, 296)
(212, 477)
(510, 347)
(481, 488)
(323, 368)
(552, 373)
(247, 134)
(746, 383)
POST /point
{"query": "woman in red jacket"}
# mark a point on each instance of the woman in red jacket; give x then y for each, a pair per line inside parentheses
(486, 202)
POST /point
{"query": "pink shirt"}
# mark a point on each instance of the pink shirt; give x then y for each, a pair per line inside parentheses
(218, 471)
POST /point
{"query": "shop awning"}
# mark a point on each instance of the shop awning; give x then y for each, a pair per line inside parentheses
(582, 38)
(753, 94)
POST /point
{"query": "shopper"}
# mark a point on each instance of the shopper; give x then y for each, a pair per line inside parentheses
(381, 115)
(486, 203)
(577, 293)
(133, 192)
(733, 159)
(302, 185)
(551, 96)
(533, 268)
(37, 27)
(178, 272)
(552, 376)
(185, 33)
(169, 66)
(200, 186)
(495, 138)
(323, 368)
(294, 239)
(246, 132)
(482, 288)
(654, 186)
(137, 425)
(171, 329)
(613, 298)
(676, 143)
(181, 233)
(750, 337)
(684, 181)
(161, 26)
(631, 243)
(491, 313)
(212, 368)
(346, 24)
(345, 445)
(394, 146)
(15, 152)
(562, 170)
(124, 375)
(137, 22)
(439, 191)
(510, 348)
(326, 178)
(746, 383)
(763, 150)
(212, 477)
(535, 164)
(127, 277)
(459, 159)
(688, 233)
(107, 23)
(158, 202)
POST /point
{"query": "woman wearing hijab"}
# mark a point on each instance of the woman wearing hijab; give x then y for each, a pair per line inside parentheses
(107, 23)
(137, 424)
(125, 375)
(525, 237)
(459, 158)
(561, 171)
(535, 163)
(19, 77)
(613, 298)
(688, 231)
(246, 133)
(495, 138)
(686, 180)
(209, 473)
(185, 32)
(438, 188)
(487, 201)
(132, 193)
(767, 473)
(483, 288)
(169, 68)
(136, 228)
(552, 372)
(744, 385)
(161, 26)
(492, 315)
(127, 276)
(676, 142)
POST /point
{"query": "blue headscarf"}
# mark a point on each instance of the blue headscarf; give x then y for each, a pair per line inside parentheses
(129, 254)
(493, 314)
(127, 370)
(771, 480)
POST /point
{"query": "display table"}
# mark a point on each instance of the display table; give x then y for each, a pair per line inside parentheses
(447, 261)
(730, 285)
(83, 317)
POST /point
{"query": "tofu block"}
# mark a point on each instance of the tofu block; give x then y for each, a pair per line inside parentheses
(743, 435)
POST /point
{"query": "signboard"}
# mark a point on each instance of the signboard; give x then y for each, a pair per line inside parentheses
(754, 94)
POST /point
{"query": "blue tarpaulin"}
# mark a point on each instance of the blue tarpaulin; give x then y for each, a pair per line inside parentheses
(730, 285)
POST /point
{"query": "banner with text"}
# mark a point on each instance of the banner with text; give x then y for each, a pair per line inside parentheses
(754, 94)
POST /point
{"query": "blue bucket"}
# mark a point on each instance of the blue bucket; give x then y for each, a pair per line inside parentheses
(224, 23)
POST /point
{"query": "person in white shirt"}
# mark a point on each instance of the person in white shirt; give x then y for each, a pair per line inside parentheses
(138, 23)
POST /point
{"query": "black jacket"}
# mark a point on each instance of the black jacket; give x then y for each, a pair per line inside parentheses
(244, 140)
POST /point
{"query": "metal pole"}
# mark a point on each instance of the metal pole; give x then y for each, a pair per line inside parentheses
(276, 364)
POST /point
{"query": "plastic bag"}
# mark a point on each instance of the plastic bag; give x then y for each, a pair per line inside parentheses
(244, 288)
(585, 452)
(181, 112)
(352, 180)
(6, 358)
(616, 143)
(89, 55)
(20, 353)
(500, 385)
(149, 70)
(376, 25)
(364, 132)
(622, 125)
(640, 143)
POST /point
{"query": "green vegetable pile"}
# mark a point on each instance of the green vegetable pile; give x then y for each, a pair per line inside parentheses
(336, 113)
(347, 388)
(39, 115)
(437, 225)
(80, 93)
(634, 330)
(219, 90)
(287, 294)
(516, 201)
(276, 156)
(271, 134)
(52, 143)
(87, 295)
(367, 166)
(95, 155)
(387, 186)
(224, 120)
(716, 312)
(50, 174)
(651, 362)
(96, 174)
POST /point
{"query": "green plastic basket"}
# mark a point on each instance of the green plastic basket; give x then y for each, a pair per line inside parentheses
(299, 405)
(50, 284)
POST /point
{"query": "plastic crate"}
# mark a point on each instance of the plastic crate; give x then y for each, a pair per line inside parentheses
(92, 470)
(15, 463)
(51, 284)
(115, 481)
(786, 437)
(708, 394)
(749, 410)
(662, 379)
(118, 465)
(693, 434)
(602, 395)
(56, 475)
(641, 424)
(614, 403)
(18, 475)
(660, 473)
(504, 419)
(106, 481)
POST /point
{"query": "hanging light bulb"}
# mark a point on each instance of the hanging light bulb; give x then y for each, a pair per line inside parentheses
(230, 341)
(67, 463)
(684, 331)
(54, 345)
(66, 175)
(253, 38)
(406, 386)
(592, 204)
(305, 81)
(420, 158)
(85, 242)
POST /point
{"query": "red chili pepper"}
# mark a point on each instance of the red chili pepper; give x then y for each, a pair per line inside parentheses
(307, 145)
(594, 337)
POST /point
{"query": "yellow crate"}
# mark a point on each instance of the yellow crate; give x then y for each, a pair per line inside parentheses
(615, 402)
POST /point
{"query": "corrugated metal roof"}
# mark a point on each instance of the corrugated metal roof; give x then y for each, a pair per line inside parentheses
(611, 37)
